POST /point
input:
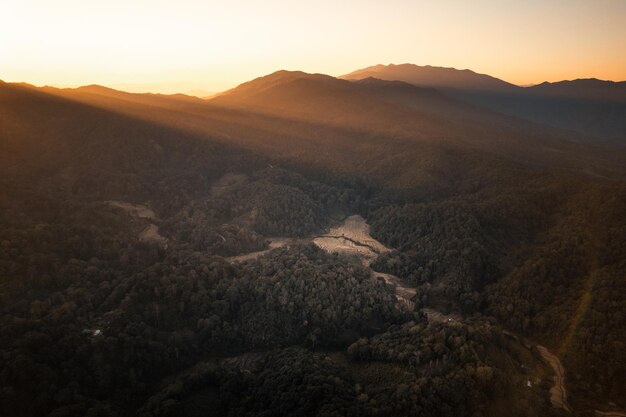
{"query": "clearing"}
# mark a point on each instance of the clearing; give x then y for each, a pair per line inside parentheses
(135, 210)
(151, 232)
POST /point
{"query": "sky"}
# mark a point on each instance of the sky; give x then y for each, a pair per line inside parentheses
(202, 47)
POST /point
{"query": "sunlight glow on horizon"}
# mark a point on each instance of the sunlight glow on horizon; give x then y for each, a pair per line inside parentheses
(209, 46)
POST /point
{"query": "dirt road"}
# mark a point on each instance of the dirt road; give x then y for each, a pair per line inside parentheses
(558, 393)
(610, 413)
(136, 210)
(275, 243)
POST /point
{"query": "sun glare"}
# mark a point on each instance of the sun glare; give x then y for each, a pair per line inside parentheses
(215, 45)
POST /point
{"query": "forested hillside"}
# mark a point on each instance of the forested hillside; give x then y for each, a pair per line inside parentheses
(515, 232)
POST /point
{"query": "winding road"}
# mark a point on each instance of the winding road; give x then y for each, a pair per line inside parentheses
(610, 413)
(558, 393)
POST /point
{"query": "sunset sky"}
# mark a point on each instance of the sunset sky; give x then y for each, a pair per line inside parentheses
(208, 46)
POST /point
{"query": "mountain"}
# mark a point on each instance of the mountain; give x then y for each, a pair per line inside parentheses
(435, 77)
(593, 108)
(584, 89)
(335, 102)
(323, 97)
(400, 109)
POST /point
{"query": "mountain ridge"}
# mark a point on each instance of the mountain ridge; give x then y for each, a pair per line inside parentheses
(590, 107)
(432, 76)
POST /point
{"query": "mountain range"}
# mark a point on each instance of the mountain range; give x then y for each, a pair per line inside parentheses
(591, 107)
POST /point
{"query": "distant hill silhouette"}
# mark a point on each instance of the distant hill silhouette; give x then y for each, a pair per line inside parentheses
(335, 102)
(396, 109)
(588, 88)
(429, 76)
(590, 107)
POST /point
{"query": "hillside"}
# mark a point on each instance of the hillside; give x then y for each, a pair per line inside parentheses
(595, 109)
(319, 110)
(508, 227)
(400, 110)
(589, 89)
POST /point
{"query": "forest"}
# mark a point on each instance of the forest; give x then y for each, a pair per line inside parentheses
(97, 321)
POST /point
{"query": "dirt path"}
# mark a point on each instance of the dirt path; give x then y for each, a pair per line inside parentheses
(151, 232)
(610, 413)
(404, 293)
(328, 243)
(275, 243)
(558, 393)
(356, 230)
(437, 316)
(135, 210)
(351, 237)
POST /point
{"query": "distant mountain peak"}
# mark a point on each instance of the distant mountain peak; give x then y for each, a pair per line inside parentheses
(431, 76)
(94, 88)
(588, 88)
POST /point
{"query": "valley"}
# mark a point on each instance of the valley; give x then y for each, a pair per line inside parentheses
(241, 277)
(352, 239)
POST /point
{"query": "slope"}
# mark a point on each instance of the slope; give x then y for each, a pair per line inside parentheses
(595, 109)
(475, 229)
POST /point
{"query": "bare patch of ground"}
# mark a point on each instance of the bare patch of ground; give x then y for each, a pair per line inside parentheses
(345, 246)
(349, 238)
(135, 210)
(275, 243)
(437, 316)
(352, 235)
(251, 361)
(558, 393)
(151, 234)
(226, 183)
(404, 293)
(610, 413)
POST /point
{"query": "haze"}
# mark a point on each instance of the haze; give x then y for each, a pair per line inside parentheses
(368, 211)
(207, 46)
